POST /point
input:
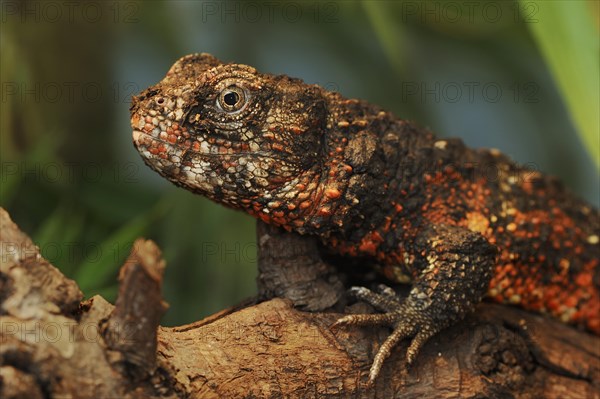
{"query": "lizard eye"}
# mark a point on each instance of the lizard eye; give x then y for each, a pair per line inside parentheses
(231, 99)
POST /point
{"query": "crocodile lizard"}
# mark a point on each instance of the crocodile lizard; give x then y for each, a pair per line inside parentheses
(456, 223)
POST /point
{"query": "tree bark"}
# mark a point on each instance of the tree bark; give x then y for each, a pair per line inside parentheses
(55, 344)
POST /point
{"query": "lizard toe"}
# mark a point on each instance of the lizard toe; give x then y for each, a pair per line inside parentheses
(388, 292)
(407, 319)
(386, 319)
(385, 301)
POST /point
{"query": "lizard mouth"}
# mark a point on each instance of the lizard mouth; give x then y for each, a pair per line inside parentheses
(214, 165)
(137, 135)
(155, 138)
(143, 140)
(202, 166)
(158, 136)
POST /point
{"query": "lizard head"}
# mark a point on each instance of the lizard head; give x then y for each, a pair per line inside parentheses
(227, 131)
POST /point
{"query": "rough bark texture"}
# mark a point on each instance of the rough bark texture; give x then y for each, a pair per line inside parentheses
(55, 345)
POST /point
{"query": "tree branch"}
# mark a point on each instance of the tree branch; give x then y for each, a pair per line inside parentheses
(53, 344)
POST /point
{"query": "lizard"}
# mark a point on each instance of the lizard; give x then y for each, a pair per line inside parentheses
(458, 224)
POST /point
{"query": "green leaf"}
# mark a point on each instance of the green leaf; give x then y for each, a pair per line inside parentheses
(57, 234)
(389, 33)
(568, 39)
(95, 273)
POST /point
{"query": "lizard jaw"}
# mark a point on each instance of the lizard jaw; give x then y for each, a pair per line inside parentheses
(136, 137)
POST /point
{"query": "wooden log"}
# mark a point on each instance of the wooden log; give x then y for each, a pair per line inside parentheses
(54, 344)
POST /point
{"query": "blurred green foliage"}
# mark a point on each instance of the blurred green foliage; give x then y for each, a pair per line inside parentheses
(570, 43)
(510, 75)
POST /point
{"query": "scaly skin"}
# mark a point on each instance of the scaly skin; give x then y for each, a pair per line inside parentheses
(456, 223)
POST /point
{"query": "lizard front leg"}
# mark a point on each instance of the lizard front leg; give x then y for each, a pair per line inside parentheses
(289, 266)
(454, 267)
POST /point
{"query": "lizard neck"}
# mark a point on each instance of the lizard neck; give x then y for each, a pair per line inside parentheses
(354, 185)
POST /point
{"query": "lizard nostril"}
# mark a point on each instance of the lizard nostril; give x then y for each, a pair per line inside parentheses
(160, 100)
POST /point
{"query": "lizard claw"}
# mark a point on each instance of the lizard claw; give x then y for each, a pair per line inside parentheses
(388, 292)
(407, 321)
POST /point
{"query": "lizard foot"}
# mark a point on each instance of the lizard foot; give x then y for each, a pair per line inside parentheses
(452, 279)
(407, 319)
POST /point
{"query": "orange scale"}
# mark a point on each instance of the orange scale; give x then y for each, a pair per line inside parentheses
(305, 204)
(324, 212)
(367, 247)
(278, 220)
(571, 301)
(584, 279)
(553, 305)
(277, 147)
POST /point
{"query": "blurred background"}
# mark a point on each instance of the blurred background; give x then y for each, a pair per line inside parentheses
(518, 76)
